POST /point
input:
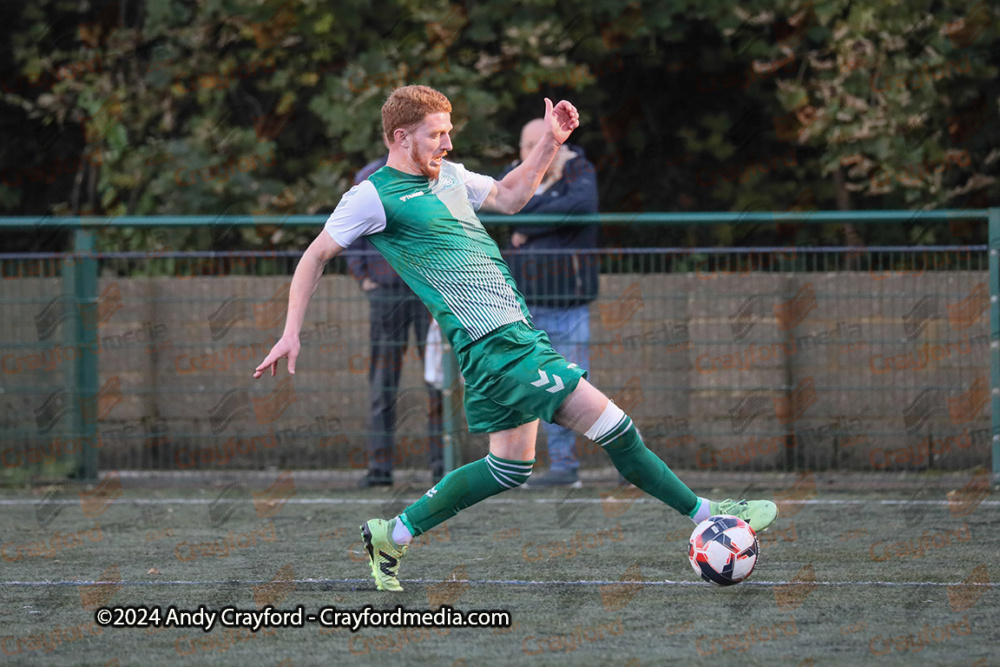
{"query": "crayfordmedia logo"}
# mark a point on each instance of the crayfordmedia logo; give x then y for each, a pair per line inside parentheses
(741, 642)
(746, 316)
(966, 408)
(273, 592)
(966, 312)
(880, 364)
(48, 640)
(915, 321)
(570, 507)
(918, 547)
(615, 503)
(616, 596)
(227, 502)
(54, 408)
(266, 409)
(964, 501)
(790, 500)
(616, 315)
(448, 592)
(54, 502)
(630, 395)
(966, 594)
(922, 408)
(225, 546)
(915, 642)
(98, 594)
(794, 593)
(50, 546)
(569, 642)
(237, 308)
(790, 408)
(233, 310)
(744, 359)
(96, 501)
(532, 552)
(97, 407)
(791, 313)
(59, 309)
(269, 502)
(751, 406)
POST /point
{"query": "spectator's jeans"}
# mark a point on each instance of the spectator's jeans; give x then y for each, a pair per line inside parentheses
(569, 331)
(392, 312)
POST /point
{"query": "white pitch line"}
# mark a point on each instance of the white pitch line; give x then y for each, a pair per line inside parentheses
(496, 582)
(14, 502)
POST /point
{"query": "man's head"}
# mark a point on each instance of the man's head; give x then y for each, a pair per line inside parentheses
(416, 122)
(531, 134)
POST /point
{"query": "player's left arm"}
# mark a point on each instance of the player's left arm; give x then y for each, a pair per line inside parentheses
(513, 192)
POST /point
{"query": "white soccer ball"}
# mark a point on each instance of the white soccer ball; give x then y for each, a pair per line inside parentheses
(723, 549)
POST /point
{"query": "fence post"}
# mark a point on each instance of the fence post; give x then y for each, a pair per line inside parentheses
(994, 239)
(87, 321)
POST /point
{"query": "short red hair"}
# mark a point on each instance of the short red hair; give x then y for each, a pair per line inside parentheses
(408, 106)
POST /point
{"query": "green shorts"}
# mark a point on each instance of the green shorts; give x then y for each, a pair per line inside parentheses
(512, 377)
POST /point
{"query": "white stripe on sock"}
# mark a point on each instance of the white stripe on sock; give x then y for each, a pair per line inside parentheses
(606, 423)
(509, 486)
(494, 470)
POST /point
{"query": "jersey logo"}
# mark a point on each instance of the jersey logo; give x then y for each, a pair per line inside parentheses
(411, 195)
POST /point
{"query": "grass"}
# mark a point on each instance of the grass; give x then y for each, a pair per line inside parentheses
(623, 595)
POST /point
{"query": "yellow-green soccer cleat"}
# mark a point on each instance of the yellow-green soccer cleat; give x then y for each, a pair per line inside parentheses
(383, 555)
(758, 513)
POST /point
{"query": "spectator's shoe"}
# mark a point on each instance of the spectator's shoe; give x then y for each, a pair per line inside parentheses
(758, 513)
(556, 478)
(375, 479)
(383, 555)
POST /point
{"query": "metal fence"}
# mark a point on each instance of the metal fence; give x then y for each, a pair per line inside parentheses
(779, 358)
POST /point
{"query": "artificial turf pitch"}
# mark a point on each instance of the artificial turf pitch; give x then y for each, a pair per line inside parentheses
(844, 578)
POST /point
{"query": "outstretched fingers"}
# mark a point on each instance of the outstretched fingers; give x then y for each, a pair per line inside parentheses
(272, 361)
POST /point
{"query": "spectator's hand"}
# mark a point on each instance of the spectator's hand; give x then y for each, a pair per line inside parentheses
(517, 239)
(288, 347)
(367, 285)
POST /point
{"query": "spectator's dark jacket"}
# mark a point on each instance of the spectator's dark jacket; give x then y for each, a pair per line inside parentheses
(371, 264)
(565, 279)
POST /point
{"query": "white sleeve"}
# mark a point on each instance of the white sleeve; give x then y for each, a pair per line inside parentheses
(359, 213)
(477, 185)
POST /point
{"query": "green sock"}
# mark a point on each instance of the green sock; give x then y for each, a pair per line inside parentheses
(644, 468)
(462, 488)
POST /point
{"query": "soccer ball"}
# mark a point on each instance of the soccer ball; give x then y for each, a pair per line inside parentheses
(723, 549)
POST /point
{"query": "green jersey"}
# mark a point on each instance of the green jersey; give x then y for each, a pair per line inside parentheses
(428, 231)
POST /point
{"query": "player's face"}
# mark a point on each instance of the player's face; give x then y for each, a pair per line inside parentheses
(430, 142)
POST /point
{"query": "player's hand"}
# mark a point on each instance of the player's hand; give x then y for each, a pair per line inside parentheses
(287, 347)
(562, 119)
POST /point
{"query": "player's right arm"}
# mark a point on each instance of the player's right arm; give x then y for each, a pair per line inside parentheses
(359, 213)
(304, 284)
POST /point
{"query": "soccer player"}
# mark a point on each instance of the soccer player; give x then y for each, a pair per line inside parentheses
(419, 211)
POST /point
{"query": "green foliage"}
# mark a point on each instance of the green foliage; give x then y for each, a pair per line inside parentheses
(245, 107)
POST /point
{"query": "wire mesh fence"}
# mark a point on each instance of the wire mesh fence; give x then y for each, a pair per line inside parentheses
(778, 358)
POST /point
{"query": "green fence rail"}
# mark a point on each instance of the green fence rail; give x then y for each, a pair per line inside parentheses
(79, 270)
